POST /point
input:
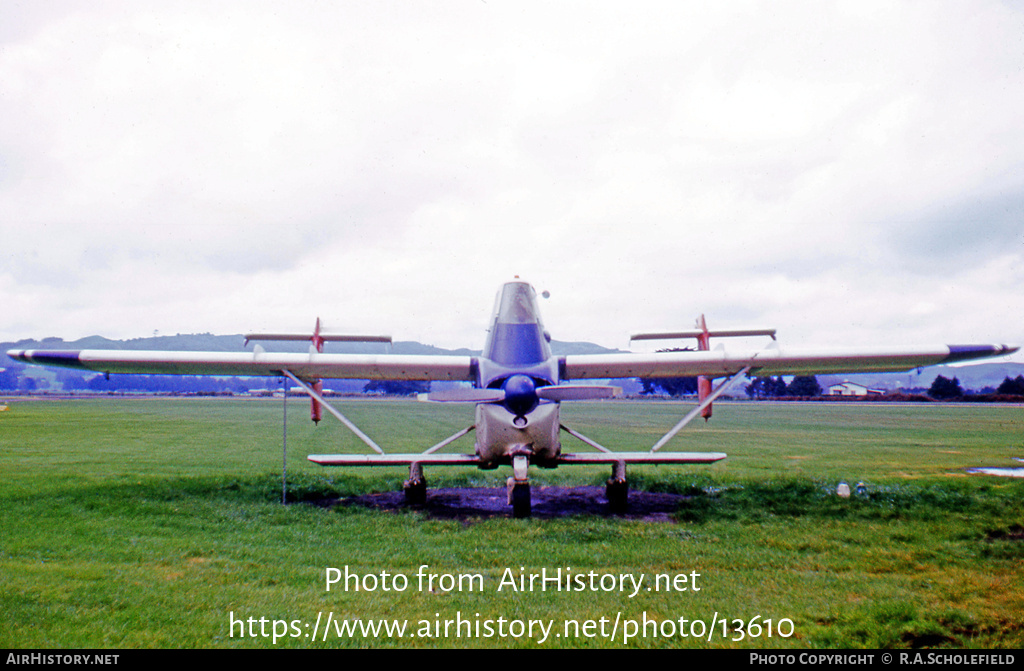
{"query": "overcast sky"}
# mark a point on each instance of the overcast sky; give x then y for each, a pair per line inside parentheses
(849, 173)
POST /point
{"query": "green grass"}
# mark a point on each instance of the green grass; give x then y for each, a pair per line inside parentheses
(145, 523)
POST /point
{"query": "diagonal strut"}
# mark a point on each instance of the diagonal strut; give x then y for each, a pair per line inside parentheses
(330, 408)
(696, 411)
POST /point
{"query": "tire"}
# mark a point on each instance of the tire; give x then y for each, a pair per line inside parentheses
(618, 496)
(416, 494)
(521, 501)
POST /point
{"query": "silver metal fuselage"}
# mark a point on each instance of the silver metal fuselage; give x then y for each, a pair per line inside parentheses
(517, 359)
(498, 438)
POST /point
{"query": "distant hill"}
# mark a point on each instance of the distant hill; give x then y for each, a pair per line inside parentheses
(207, 342)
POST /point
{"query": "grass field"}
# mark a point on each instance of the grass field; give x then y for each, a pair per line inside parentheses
(154, 522)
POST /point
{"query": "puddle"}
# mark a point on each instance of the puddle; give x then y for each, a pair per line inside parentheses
(1005, 472)
(1016, 472)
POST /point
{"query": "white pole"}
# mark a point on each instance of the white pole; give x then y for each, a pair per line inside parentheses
(284, 446)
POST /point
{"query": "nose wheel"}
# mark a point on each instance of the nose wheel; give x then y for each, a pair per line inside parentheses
(519, 487)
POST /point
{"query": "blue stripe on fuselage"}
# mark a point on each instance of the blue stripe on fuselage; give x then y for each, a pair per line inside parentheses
(516, 344)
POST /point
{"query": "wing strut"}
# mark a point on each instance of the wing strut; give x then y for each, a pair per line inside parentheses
(450, 439)
(696, 411)
(586, 440)
(330, 408)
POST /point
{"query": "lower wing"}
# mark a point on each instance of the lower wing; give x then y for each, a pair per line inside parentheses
(473, 460)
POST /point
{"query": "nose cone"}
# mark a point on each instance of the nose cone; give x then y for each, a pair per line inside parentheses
(520, 394)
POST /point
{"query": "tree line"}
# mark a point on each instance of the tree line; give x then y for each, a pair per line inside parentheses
(942, 388)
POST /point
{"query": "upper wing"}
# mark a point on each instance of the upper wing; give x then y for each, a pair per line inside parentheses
(310, 366)
(772, 361)
(716, 363)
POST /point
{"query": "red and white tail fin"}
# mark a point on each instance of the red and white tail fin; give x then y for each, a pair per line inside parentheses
(317, 339)
(703, 382)
(703, 336)
(316, 411)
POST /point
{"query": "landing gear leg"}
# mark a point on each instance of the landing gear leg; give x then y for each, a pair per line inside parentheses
(617, 489)
(519, 487)
(416, 486)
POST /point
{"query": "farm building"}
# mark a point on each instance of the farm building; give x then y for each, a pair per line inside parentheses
(847, 388)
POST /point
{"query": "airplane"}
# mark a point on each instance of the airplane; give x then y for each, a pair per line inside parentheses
(518, 386)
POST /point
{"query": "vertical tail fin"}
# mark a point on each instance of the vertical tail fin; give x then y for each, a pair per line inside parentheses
(317, 339)
(703, 336)
(316, 411)
(703, 382)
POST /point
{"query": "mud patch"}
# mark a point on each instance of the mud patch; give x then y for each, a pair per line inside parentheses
(547, 502)
(1014, 533)
(918, 641)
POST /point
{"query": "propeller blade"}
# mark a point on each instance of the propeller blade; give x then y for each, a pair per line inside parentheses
(464, 395)
(578, 392)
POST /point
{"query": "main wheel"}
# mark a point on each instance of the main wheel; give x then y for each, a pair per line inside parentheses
(416, 493)
(521, 500)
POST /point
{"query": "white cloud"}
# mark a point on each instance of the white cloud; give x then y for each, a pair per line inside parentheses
(821, 168)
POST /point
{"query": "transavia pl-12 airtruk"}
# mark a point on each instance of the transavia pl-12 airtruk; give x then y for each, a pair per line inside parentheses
(518, 386)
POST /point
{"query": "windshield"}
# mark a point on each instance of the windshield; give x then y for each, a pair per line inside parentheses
(517, 304)
(516, 336)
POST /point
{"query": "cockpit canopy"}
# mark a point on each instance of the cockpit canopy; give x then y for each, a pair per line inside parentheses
(517, 336)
